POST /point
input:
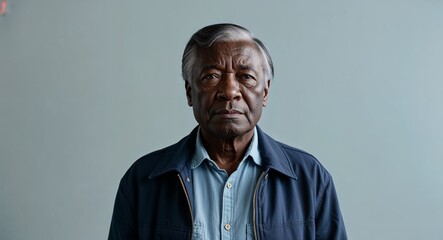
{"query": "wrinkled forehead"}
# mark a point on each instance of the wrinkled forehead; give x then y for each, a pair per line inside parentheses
(242, 51)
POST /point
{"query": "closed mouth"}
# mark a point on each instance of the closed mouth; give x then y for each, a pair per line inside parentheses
(228, 112)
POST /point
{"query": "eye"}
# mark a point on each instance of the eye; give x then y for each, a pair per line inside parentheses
(247, 76)
(247, 79)
(210, 79)
(210, 76)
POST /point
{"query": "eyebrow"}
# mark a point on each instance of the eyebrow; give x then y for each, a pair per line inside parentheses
(247, 67)
(209, 67)
(241, 67)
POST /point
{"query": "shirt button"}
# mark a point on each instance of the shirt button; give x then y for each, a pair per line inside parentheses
(228, 227)
(229, 185)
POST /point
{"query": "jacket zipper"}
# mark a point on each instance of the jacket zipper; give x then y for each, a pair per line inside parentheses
(254, 203)
(189, 204)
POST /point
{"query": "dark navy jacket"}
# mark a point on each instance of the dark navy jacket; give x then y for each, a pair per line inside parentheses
(294, 197)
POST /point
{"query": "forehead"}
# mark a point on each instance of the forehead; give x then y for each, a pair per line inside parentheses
(236, 52)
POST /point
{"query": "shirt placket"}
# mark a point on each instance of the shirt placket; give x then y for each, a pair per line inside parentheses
(228, 208)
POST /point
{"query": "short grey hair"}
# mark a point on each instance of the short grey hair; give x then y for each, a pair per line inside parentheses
(209, 35)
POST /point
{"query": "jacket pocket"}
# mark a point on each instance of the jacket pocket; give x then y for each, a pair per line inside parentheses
(297, 230)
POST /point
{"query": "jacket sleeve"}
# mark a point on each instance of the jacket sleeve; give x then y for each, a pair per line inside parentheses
(328, 219)
(123, 223)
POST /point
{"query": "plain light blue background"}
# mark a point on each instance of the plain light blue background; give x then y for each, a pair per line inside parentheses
(87, 87)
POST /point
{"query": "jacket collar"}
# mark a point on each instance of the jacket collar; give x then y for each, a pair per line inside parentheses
(273, 155)
(176, 157)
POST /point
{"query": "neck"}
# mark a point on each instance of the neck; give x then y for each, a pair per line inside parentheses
(227, 153)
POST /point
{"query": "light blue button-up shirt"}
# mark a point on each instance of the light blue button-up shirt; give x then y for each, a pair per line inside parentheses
(223, 204)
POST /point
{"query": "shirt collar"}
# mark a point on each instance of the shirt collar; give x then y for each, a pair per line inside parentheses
(201, 154)
(273, 155)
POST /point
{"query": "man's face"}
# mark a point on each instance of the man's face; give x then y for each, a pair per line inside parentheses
(228, 89)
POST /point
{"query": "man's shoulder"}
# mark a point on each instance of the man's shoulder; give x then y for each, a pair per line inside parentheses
(292, 153)
(171, 157)
(149, 159)
(297, 153)
(298, 162)
(305, 165)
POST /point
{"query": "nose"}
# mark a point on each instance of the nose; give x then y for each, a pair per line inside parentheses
(229, 88)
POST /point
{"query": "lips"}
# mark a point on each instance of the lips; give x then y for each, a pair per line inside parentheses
(228, 112)
(224, 113)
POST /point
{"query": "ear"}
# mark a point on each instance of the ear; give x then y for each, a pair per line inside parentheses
(266, 92)
(188, 92)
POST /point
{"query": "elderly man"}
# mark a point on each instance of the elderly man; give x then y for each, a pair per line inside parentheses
(227, 179)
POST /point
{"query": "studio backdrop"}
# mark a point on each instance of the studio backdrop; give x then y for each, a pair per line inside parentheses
(87, 87)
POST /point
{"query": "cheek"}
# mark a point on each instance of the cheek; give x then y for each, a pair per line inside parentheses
(255, 108)
(202, 101)
(255, 100)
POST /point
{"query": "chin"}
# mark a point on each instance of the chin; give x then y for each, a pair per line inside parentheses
(231, 131)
